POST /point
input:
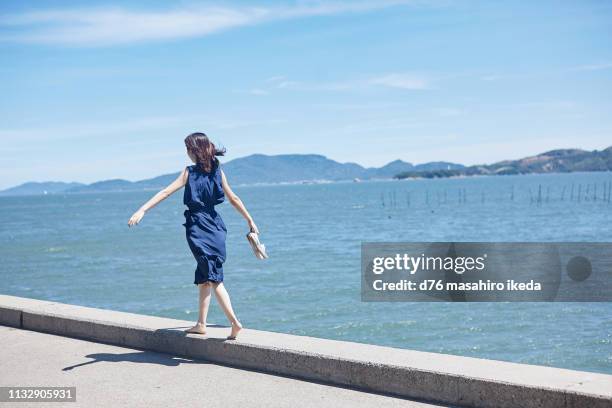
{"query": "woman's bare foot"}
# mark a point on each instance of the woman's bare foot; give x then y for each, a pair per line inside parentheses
(199, 328)
(236, 327)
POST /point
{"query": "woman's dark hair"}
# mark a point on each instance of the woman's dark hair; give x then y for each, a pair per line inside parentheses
(204, 150)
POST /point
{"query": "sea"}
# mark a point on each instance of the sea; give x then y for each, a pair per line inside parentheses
(78, 249)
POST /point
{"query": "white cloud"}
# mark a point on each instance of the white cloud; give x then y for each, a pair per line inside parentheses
(552, 105)
(401, 81)
(593, 67)
(289, 84)
(449, 112)
(109, 26)
(276, 79)
(254, 91)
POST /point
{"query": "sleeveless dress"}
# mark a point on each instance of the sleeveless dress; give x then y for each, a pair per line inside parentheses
(204, 228)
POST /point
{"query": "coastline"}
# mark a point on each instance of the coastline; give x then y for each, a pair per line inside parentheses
(320, 182)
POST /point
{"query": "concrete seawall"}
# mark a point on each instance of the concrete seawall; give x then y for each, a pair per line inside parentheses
(434, 377)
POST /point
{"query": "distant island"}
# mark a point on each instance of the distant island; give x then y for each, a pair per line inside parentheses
(253, 169)
(554, 161)
(296, 168)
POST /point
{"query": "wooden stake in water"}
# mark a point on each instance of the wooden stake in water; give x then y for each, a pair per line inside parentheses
(563, 193)
(586, 195)
(579, 191)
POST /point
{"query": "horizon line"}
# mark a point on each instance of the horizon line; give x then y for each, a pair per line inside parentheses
(305, 154)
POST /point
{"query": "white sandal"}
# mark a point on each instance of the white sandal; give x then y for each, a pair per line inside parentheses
(259, 249)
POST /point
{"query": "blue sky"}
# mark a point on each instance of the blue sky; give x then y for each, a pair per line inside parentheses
(99, 90)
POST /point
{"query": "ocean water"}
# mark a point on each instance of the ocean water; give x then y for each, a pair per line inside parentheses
(78, 249)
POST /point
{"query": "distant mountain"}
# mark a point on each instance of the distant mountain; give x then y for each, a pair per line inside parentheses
(258, 168)
(46, 187)
(441, 165)
(106, 185)
(388, 170)
(554, 161)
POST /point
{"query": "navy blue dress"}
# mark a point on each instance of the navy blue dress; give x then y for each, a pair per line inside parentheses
(204, 228)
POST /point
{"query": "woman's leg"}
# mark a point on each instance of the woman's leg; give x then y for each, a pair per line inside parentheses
(203, 304)
(225, 303)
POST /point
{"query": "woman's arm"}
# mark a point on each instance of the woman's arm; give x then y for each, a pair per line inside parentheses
(237, 203)
(180, 181)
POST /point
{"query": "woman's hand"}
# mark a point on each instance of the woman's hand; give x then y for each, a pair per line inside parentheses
(136, 217)
(253, 227)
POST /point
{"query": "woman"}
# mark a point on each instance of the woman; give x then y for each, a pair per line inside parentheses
(205, 186)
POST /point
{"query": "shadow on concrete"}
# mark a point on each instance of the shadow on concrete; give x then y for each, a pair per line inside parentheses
(148, 357)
